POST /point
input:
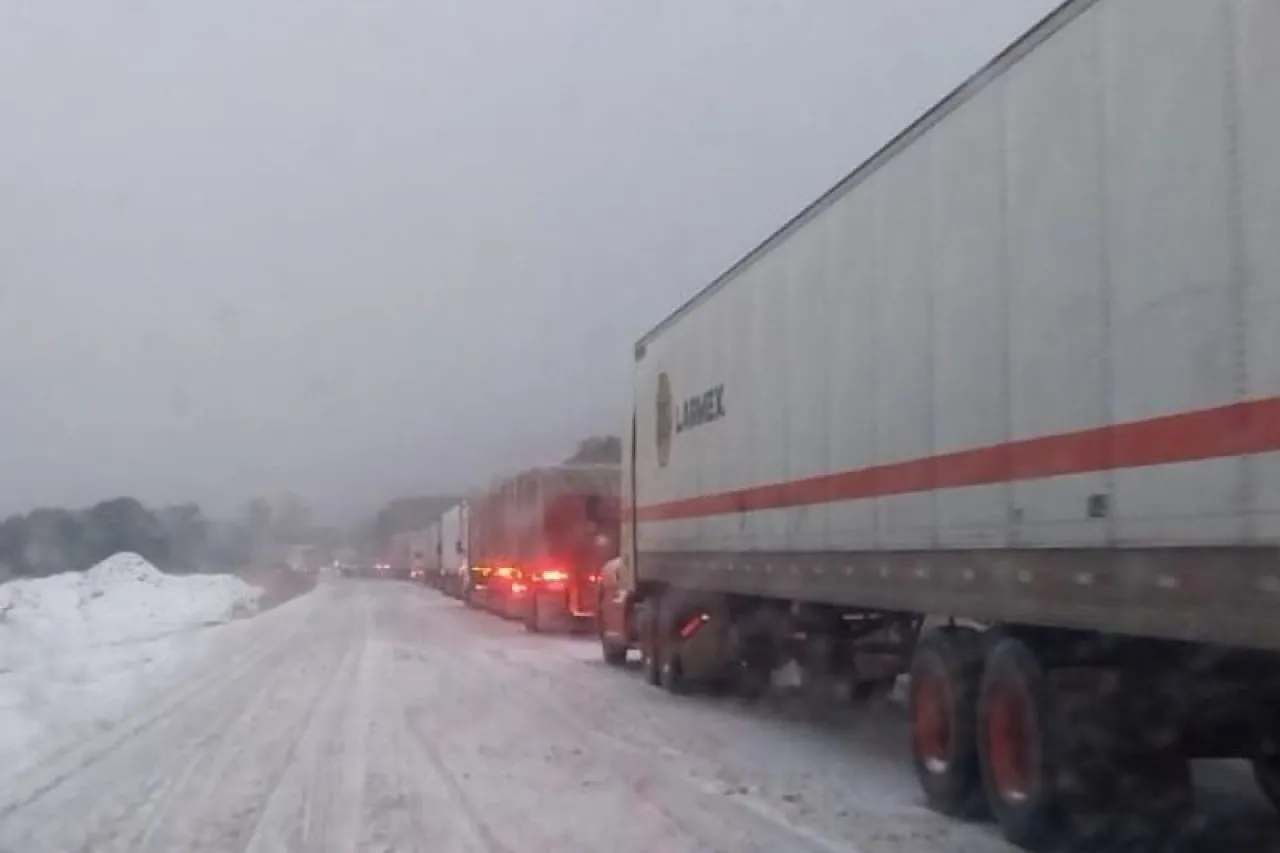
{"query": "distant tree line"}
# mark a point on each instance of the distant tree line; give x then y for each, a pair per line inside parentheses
(400, 516)
(50, 540)
(597, 450)
(405, 514)
(177, 538)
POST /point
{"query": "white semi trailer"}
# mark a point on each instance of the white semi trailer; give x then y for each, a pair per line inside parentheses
(424, 547)
(1018, 377)
(453, 549)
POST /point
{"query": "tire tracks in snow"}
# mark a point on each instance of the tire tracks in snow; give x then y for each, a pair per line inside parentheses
(458, 825)
(154, 783)
(634, 728)
(316, 800)
(650, 770)
(72, 759)
(259, 750)
(457, 795)
(558, 781)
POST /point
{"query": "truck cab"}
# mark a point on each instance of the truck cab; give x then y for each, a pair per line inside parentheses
(581, 536)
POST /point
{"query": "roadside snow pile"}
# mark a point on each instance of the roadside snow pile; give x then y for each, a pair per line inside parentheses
(122, 599)
(76, 648)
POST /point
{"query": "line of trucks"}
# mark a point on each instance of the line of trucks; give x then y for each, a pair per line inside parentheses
(531, 547)
(999, 413)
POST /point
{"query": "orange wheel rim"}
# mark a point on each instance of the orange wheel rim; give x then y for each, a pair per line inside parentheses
(931, 726)
(1010, 743)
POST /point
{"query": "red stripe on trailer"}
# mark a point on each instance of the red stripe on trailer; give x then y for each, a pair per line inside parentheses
(1251, 426)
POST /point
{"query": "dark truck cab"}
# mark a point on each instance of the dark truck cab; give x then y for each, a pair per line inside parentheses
(580, 534)
(538, 541)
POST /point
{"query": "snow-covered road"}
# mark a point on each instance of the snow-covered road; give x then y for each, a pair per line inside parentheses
(380, 716)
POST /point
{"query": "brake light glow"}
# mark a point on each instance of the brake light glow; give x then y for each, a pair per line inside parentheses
(554, 576)
(691, 627)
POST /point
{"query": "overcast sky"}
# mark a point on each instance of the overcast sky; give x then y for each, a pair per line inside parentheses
(362, 249)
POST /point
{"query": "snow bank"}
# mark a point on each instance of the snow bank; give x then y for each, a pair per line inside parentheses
(76, 648)
(122, 599)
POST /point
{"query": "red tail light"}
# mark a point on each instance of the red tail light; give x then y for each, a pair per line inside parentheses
(554, 576)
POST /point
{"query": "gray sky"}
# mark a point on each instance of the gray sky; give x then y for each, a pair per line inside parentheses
(359, 249)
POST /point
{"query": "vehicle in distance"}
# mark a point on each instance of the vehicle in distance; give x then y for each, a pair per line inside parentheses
(540, 539)
(424, 546)
(1001, 409)
(453, 550)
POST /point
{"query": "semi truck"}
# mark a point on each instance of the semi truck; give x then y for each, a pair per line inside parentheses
(424, 548)
(486, 546)
(1000, 413)
(398, 561)
(541, 538)
(453, 549)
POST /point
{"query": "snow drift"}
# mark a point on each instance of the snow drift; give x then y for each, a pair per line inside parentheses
(123, 598)
(77, 648)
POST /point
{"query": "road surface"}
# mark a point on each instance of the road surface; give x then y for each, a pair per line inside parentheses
(380, 716)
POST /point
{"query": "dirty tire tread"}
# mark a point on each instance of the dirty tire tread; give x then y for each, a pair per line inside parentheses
(956, 655)
(648, 642)
(1266, 773)
(1037, 823)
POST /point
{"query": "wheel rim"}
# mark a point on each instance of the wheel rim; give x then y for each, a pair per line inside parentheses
(1010, 736)
(931, 724)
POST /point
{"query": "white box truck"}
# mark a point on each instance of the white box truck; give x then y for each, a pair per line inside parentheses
(1001, 410)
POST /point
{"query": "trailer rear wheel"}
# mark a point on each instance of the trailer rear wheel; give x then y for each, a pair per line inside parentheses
(946, 673)
(671, 672)
(647, 629)
(1013, 747)
(532, 615)
(1122, 777)
(1266, 772)
(613, 652)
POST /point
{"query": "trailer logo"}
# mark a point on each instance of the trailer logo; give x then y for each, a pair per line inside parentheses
(701, 409)
(693, 412)
(665, 420)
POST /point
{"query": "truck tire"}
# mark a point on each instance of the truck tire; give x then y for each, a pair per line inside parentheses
(1014, 749)
(532, 616)
(673, 610)
(671, 673)
(1122, 780)
(946, 675)
(614, 653)
(647, 629)
(544, 617)
(1266, 772)
(753, 672)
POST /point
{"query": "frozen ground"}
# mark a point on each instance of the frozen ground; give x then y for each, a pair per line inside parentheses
(76, 649)
(379, 716)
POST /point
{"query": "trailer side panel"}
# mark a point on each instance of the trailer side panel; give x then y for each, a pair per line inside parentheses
(1024, 367)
